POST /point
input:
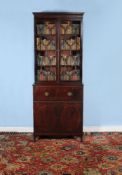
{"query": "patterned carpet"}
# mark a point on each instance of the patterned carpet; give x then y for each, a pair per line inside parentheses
(98, 154)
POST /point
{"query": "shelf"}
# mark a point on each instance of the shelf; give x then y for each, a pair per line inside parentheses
(46, 65)
(58, 50)
(45, 50)
(46, 81)
(72, 50)
(45, 35)
(69, 35)
(70, 80)
(70, 65)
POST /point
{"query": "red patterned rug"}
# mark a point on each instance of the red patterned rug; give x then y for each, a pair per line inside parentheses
(98, 154)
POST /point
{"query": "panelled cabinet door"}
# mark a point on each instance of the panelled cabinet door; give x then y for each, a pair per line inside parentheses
(70, 117)
(46, 117)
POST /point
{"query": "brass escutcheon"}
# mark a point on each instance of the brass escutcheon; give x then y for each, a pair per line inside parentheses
(46, 94)
(69, 94)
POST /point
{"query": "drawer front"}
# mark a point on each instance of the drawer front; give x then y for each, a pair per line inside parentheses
(60, 93)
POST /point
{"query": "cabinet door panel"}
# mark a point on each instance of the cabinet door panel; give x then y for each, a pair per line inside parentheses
(71, 118)
(46, 116)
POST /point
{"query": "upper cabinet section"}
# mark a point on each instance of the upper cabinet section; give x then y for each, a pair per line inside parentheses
(58, 47)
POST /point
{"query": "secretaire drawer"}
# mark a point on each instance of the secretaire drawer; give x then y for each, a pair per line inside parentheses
(59, 93)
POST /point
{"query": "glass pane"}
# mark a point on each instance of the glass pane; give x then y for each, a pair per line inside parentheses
(46, 28)
(70, 54)
(46, 43)
(69, 58)
(47, 58)
(46, 51)
(46, 74)
(68, 27)
(70, 73)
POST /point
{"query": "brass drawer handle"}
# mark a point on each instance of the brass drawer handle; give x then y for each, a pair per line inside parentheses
(69, 94)
(46, 94)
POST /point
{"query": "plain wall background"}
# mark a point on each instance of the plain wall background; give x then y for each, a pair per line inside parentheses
(102, 64)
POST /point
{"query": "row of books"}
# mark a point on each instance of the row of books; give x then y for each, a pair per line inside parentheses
(46, 60)
(51, 60)
(70, 60)
(46, 28)
(71, 74)
(45, 44)
(49, 74)
(70, 28)
(50, 44)
(65, 28)
(70, 44)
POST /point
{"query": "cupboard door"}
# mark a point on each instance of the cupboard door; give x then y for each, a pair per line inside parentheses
(71, 118)
(70, 51)
(45, 117)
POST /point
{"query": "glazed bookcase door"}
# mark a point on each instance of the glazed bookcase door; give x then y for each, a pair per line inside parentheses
(70, 51)
(46, 47)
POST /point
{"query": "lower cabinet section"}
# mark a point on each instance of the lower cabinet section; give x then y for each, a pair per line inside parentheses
(57, 118)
